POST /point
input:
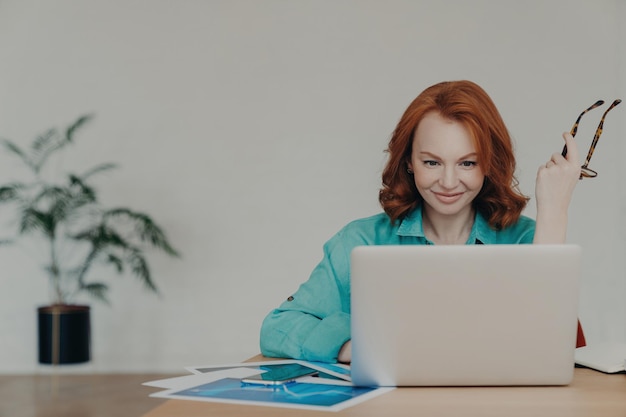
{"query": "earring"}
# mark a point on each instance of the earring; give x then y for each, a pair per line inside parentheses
(409, 170)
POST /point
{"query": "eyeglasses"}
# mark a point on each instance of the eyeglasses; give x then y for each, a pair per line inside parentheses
(585, 171)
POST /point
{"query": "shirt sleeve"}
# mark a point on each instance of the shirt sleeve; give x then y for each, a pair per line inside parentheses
(314, 323)
(523, 232)
(528, 235)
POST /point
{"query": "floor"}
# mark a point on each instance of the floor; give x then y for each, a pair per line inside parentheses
(100, 395)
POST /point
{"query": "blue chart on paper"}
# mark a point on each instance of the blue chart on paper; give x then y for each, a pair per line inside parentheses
(293, 393)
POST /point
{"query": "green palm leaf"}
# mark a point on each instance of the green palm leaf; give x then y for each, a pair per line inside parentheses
(10, 192)
(81, 193)
(71, 130)
(140, 269)
(16, 150)
(115, 261)
(33, 220)
(97, 290)
(147, 230)
(97, 169)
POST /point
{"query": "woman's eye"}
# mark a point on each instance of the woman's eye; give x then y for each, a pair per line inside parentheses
(430, 163)
(468, 164)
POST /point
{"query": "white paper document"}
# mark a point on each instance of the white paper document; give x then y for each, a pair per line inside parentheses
(330, 390)
(192, 380)
(604, 357)
(334, 370)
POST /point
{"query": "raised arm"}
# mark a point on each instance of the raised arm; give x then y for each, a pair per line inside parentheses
(554, 187)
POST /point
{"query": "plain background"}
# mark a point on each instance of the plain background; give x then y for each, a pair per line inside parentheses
(252, 130)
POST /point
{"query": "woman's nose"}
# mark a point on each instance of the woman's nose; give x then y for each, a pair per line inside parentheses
(448, 178)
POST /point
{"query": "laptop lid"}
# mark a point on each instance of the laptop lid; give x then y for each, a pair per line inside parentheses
(464, 315)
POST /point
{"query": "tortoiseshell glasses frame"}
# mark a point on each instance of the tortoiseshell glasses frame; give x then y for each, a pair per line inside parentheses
(585, 171)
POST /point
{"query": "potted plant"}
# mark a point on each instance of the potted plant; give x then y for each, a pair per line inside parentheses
(79, 235)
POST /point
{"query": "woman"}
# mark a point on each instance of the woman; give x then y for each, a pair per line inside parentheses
(449, 180)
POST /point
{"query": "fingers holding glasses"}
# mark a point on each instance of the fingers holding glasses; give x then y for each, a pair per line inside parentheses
(557, 178)
(573, 155)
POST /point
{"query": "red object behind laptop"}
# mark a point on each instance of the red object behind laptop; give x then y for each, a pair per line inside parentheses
(580, 337)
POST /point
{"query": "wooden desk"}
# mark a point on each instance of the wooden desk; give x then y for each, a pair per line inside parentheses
(591, 393)
(57, 394)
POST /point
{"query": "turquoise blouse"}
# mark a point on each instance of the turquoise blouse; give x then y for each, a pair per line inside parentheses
(314, 322)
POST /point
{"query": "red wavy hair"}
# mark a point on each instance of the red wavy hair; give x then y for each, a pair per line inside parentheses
(499, 200)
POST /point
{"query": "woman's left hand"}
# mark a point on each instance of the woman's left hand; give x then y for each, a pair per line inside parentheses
(557, 179)
(554, 188)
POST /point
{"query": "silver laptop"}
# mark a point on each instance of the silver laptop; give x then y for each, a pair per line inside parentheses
(466, 315)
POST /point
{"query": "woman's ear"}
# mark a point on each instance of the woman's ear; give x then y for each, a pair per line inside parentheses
(409, 167)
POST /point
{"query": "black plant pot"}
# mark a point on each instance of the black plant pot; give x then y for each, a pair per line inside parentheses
(64, 334)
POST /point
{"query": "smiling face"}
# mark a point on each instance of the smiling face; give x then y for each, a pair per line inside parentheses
(445, 166)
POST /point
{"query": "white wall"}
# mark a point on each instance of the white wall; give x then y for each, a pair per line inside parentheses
(253, 130)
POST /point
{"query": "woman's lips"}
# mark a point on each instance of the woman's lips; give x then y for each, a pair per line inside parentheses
(448, 198)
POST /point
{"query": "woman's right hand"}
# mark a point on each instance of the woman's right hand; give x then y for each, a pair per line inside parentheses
(345, 353)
